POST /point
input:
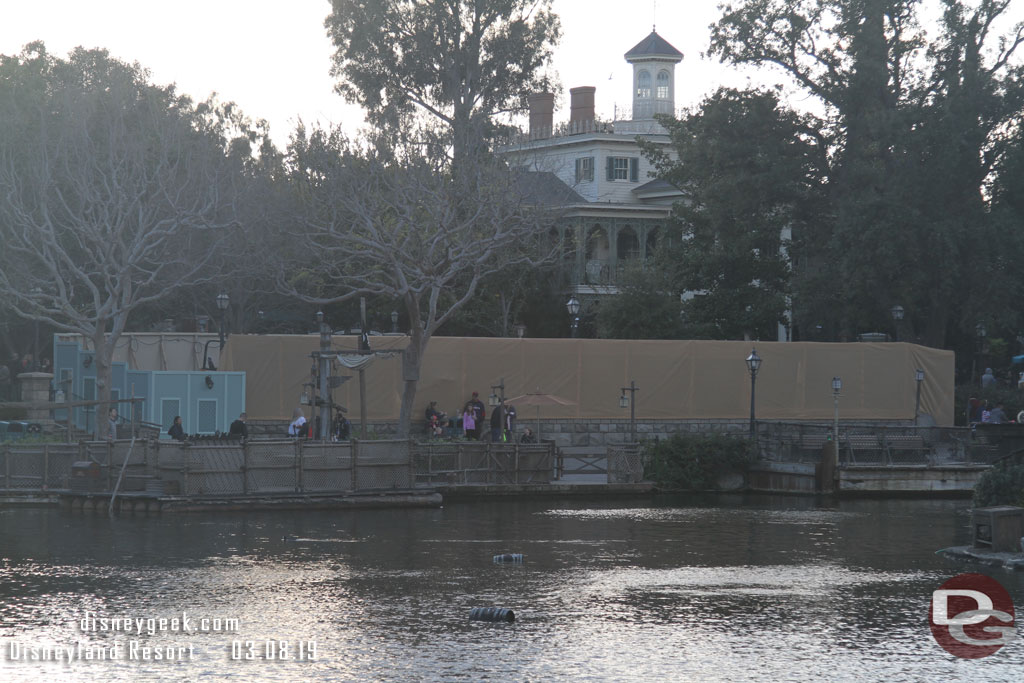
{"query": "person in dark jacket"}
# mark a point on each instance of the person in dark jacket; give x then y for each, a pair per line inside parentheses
(177, 432)
(238, 427)
(496, 424)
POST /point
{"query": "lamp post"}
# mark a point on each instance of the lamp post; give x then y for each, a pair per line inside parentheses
(573, 306)
(919, 378)
(394, 322)
(897, 313)
(837, 387)
(630, 402)
(324, 361)
(753, 365)
(222, 303)
(497, 399)
(520, 330)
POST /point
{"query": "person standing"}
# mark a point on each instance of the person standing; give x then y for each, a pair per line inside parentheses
(468, 422)
(177, 432)
(496, 424)
(479, 413)
(238, 427)
(510, 423)
(298, 424)
(112, 424)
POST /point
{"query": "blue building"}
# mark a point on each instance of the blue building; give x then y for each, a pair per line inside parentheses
(207, 401)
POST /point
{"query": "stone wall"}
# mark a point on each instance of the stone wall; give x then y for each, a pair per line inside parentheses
(571, 433)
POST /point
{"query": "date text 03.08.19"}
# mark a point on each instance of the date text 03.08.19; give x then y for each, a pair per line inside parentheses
(273, 650)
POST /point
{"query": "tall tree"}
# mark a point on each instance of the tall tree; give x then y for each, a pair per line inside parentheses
(406, 231)
(110, 195)
(914, 124)
(752, 171)
(463, 63)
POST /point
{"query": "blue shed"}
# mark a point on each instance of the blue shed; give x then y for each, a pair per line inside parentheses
(207, 401)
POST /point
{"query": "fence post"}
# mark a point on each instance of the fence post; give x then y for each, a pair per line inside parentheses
(355, 461)
(245, 468)
(298, 465)
(186, 459)
(46, 466)
(411, 480)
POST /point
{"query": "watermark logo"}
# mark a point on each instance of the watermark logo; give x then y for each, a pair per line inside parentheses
(971, 616)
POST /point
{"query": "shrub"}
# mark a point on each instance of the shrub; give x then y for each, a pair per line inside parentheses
(13, 412)
(1001, 485)
(695, 461)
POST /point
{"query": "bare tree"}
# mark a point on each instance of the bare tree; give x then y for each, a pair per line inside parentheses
(112, 193)
(408, 231)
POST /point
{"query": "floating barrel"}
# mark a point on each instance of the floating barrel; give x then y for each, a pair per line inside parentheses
(509, 558)
(492, 614)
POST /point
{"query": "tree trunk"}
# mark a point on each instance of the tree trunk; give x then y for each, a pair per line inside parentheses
(104, 356)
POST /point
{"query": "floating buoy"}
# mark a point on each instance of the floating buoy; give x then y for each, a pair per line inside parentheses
(509, 558)
(492, 614)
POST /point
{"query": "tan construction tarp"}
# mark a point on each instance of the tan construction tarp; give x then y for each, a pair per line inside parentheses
(676, 379)
(175, 351)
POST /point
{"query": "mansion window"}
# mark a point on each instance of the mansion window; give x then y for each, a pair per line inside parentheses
(643, 85)
(584, 169)
(662, 85)
(623, 168)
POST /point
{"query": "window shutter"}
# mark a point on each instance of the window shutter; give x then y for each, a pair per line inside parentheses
(634, 170)
(579, 170)
(610, 166)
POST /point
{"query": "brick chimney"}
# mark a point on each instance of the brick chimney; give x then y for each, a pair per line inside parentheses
(581, 108)
(542, 114)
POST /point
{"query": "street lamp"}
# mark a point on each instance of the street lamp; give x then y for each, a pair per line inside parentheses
(630, 402)
(753, 365)
(573, 306)
(222, 303)
(497, 399)
(837, 387)
(919, 378)
(897, 313)
(324, 382)
(520, 330)
(394, 322)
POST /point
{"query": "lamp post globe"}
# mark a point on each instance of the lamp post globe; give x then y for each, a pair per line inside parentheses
(573, 306)
(753, 365)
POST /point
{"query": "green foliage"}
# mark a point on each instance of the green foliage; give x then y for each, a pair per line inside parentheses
(1001, 485)
(695, 461)
(647, 307)
(12, 413)
(461, 62)
(748, 168)
(919, 129)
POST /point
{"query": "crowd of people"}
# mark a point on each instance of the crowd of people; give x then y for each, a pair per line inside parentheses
(471, 420)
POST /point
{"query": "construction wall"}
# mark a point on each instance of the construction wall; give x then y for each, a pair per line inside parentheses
(157, 350)
(676, 379)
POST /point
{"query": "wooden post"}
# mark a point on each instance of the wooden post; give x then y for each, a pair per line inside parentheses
(46, 465)
(245, 468)
(354, 459)
(298, 466)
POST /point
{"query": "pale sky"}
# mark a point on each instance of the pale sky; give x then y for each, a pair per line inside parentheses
(272, 57)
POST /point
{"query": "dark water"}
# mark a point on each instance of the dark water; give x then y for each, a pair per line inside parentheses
(683, 588)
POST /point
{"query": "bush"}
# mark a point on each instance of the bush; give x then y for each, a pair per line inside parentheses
(695, 461)
(1001, 485)
(13, 413)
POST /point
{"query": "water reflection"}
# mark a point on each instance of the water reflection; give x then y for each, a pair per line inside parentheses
(715, 588)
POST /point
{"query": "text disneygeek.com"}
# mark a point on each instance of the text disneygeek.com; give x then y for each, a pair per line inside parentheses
(131, 641)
